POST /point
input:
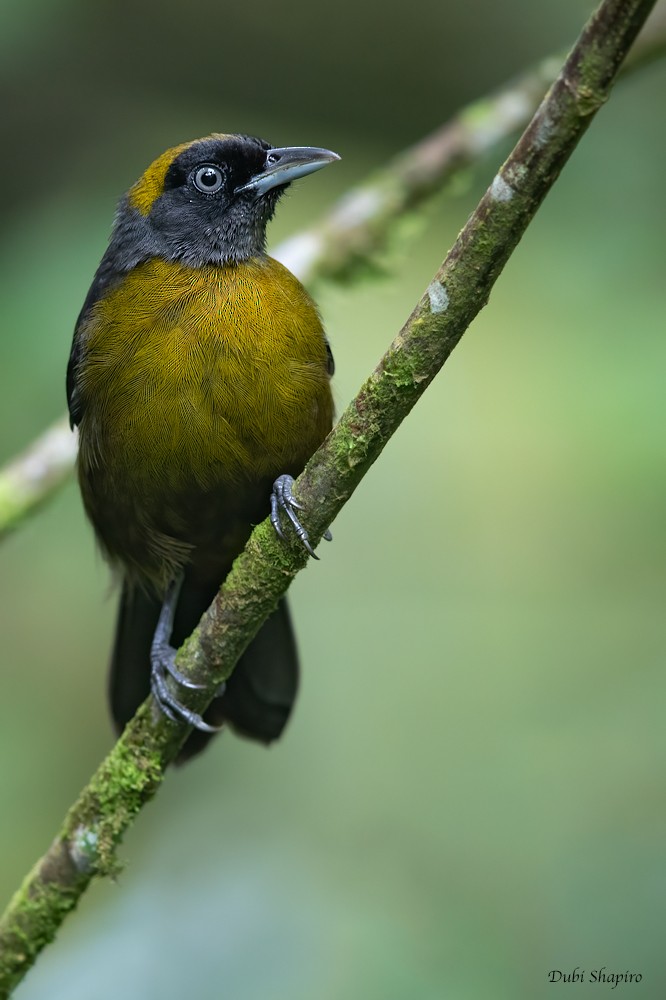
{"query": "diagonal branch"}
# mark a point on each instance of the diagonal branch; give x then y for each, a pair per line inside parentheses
(132, 772)
(358, 228)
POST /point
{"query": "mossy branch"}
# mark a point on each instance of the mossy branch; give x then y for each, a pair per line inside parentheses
(348, 239)
(131, 774)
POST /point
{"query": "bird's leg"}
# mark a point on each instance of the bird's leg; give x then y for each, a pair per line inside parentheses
(163, 662)
(282, 499)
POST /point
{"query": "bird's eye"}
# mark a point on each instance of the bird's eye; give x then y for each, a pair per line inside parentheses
(208, 179)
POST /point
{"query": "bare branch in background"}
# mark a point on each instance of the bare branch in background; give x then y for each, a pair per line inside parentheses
(34, 475)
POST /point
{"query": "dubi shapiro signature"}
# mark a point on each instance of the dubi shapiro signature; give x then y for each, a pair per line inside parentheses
(602, 975)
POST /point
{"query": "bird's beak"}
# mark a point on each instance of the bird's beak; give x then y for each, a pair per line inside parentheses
(286, 164)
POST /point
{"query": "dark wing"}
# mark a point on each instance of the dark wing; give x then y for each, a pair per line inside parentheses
(330, 362)
(73, 399)
(104, 277)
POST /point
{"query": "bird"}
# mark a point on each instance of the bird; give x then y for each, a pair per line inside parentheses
(199, 380)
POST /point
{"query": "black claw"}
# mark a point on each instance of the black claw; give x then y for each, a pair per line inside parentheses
(162, 656)
(171, 668)
(275, 516)
(173, 709)
(283, 500)
(306, 544)
(164, 708)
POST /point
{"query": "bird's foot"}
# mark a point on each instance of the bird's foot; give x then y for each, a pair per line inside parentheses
(163, 664)
(282, 499)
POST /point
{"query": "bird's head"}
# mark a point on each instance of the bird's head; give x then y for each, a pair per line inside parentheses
(208, 201)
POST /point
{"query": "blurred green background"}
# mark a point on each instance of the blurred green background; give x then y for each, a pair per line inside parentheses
(471, 791)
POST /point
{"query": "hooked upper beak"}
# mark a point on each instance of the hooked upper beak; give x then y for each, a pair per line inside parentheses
(285, 164)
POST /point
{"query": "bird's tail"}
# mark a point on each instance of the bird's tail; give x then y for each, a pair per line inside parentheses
(259, 694)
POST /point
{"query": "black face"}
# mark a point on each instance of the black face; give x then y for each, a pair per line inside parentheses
(201, 215)
(218, 166)
(213, 205)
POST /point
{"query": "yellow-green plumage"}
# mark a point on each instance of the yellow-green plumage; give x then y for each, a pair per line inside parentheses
(199, 374)
(200, 386)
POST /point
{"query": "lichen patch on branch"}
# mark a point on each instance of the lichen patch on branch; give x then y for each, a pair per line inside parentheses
(438, 296)
(83, 849)
(500, 190)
